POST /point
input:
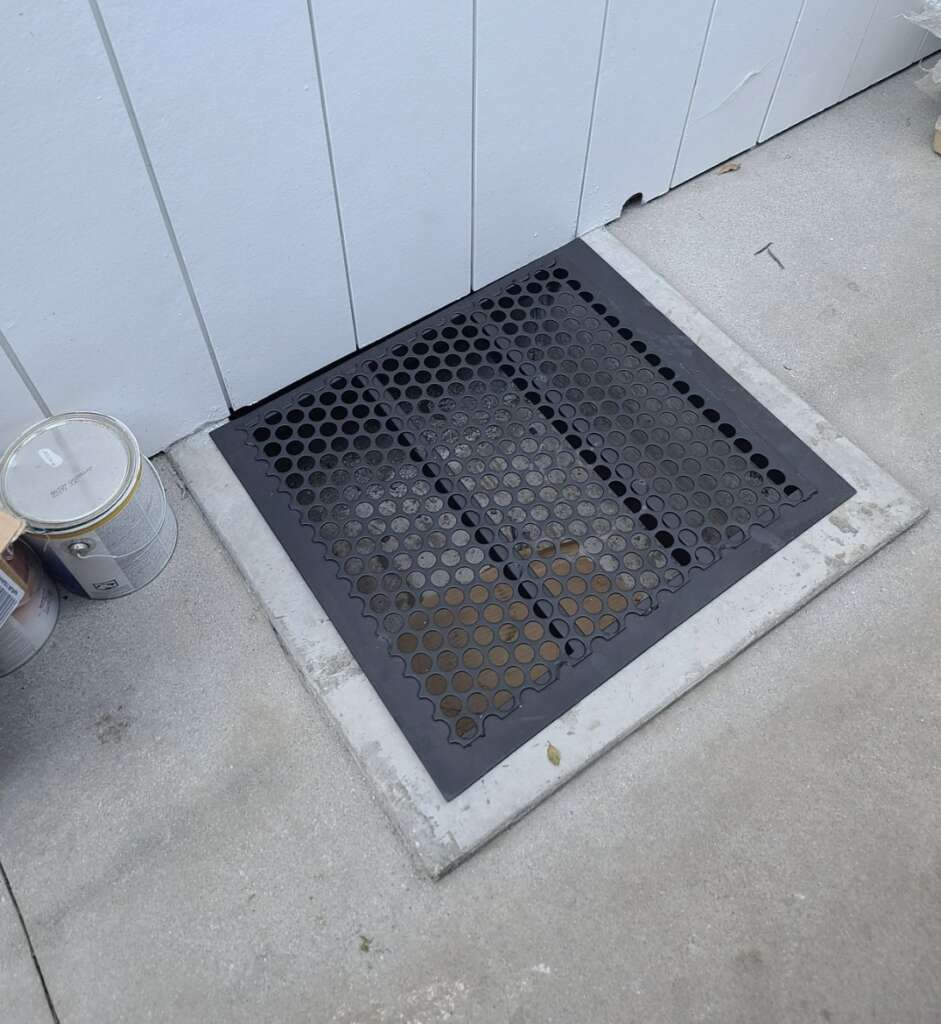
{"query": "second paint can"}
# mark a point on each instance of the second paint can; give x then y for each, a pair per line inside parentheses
(30, 625)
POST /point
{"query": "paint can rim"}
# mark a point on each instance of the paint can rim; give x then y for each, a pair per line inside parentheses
(127, 474)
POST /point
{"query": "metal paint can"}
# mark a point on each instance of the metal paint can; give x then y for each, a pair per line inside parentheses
(96, 511)
(26, 631)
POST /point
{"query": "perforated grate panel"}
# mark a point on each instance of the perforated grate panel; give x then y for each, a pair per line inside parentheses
(504, 504)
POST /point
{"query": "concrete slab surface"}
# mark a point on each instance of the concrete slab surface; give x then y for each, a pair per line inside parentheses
(21, 994)
(190, 841)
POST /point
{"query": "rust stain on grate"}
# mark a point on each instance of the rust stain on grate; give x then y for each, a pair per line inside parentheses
(509, 487)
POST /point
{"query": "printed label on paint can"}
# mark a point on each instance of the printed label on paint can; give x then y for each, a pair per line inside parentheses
(123, 554)
(10, 597)
(30, 625)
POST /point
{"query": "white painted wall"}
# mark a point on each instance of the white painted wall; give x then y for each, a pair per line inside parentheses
(397, 81)
(890, 42)
(537, 62)
(18, 410)
(202, 201)
(229, 105)
(91, 297)
(819, 61)
(642, 103)
(741, 61)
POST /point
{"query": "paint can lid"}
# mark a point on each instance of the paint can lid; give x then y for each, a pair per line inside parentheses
(69, 470)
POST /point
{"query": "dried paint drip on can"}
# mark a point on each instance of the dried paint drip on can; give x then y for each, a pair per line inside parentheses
(36, 608)
(95, 509)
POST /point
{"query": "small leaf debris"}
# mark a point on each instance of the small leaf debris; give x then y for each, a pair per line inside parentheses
(729, 168)
(553, 754)
(364, 944)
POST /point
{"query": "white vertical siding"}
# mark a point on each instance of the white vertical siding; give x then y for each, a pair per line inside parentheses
(537, 62)
(397, 81)
(741, 61)
(827, 38)
(642, 103)
(890, 42)
(90, 292)
(229, 106)
(17, 408)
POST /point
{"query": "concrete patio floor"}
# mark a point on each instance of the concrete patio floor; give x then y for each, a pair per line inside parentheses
(187, 840)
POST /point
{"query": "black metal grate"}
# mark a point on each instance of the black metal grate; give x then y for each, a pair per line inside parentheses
(520, 494)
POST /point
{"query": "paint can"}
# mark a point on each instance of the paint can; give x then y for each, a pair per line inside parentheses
(95, 510)
(35, 602)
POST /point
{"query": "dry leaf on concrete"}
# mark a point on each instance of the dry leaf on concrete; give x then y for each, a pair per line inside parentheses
(553, 754)
(728, 168)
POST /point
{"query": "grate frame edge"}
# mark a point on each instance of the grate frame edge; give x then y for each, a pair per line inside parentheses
(453, 774)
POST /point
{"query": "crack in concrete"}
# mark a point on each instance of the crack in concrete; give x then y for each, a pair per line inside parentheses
(29, 944)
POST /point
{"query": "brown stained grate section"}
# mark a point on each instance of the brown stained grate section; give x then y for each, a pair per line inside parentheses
(500, 492)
